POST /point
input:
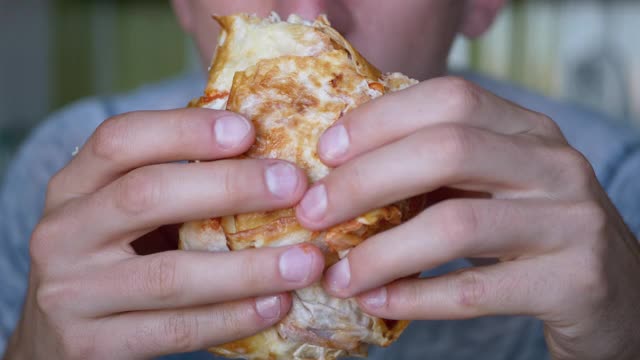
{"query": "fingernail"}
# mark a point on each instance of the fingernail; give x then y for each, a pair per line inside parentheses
(334, 143)
(268, 307)
(339, 275)
(230, 130)
(282, 179)
(375, 299)
(314, 203)
(295, 264)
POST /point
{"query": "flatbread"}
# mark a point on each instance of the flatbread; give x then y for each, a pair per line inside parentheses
(294, 79)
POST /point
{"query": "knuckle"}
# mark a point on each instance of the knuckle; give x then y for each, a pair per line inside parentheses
(141, 338)
(235, 187)
(454, 144)
(54, 298)
(576, 169)
(593, 219)
(160, 278)
(43, 242)
(591, 283)
(228, 319)
(459, 223)
(48, 299)
(354, 181)
(547, 125)
(462, 97)
(109, 139)
(253, 275)
(139, 191)
(412, 298)
(590, 278)
(469, 288)
(181, 331)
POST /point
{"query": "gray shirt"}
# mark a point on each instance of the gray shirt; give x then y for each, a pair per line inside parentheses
(613, 150)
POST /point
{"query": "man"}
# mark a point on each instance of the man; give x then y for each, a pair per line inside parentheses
(517, 194)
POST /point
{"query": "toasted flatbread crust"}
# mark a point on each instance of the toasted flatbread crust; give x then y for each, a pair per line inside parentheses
(293, 79)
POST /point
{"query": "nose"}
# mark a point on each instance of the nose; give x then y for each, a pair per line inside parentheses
(307, 9)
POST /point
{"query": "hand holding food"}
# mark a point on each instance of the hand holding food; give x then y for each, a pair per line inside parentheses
(92, 297)
(503, 185)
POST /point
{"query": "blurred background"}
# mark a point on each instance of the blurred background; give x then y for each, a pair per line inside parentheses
(53, 52)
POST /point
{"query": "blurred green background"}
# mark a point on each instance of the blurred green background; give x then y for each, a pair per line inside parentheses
(53, 52)
(113, 47)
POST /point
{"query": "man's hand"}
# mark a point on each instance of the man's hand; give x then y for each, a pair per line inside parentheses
(564, 254)
(92, 297)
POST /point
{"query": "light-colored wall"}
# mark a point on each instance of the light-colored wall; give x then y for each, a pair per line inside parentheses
(581, 51)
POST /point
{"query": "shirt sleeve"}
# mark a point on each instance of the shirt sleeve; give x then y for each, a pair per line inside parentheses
(22, 195)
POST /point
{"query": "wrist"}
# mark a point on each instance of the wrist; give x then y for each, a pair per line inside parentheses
(14, 350)
(18, 347)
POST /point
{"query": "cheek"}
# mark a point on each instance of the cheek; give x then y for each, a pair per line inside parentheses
(206, 40)
(225, 7)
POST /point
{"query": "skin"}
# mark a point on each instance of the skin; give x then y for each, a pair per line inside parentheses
(510, 190)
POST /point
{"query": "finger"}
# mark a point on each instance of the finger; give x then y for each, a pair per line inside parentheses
(512, 288)
(142, 335)
(132, 140)
(183, 279)
(453, 229)
(449, 155)
(433, 102)
(156, 195)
